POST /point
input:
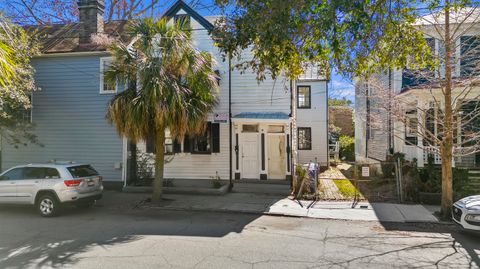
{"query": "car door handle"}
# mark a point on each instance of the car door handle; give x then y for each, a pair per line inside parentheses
(12, 182)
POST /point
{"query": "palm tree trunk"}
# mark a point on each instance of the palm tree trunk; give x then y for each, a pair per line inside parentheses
(447, 143)
(159, 165)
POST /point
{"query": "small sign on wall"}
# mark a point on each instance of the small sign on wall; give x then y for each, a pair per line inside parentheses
(365, 171)
(221, 117)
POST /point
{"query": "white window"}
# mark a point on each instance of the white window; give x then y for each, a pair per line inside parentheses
(411, 127)
(104, 66)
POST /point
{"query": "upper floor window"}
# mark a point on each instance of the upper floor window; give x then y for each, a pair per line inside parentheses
(24, 114)
(183, 20)
(411, 127)
(304, 97)
(304, 138)
(469, 55)
(414, 77)
(104, 86)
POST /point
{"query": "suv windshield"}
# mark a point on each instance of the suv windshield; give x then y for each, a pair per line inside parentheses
(82, 171)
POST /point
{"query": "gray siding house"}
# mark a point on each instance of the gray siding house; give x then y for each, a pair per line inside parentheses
(252, 133)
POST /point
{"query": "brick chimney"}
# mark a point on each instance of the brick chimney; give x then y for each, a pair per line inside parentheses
(91, 18)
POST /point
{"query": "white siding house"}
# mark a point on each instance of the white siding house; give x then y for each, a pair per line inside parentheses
(261, 132)
(252, 122)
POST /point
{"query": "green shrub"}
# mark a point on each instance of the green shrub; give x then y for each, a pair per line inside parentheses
(461, 183)
(388, 166)
(347, 148)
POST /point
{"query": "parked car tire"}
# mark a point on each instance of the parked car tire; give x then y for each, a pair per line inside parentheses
(48, 206)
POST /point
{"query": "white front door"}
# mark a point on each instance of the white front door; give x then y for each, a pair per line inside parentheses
(250, 162)
(276, 157)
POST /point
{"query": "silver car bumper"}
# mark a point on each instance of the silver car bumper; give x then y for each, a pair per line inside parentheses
(73, 195)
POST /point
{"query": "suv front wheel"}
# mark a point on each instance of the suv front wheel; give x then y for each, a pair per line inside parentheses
(47, 205)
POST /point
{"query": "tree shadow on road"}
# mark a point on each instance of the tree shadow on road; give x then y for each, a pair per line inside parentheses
(61, 241)
(461, 243)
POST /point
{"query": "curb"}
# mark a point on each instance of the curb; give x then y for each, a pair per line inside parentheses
(277, 214)
(180, 190)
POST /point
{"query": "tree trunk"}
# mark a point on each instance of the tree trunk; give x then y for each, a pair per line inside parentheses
(447, 143)
(159, 166)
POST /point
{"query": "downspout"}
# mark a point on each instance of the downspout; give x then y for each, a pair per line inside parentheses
(293, 128)
(367, 124)
(230, 117)
(328, 124)
(390, 131)
(292, 166)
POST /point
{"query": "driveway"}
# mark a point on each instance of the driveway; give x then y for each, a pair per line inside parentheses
(124, 237)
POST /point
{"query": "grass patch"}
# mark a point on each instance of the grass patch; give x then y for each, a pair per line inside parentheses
(345, 187)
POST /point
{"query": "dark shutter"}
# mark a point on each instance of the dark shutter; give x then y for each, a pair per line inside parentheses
(215, 137)
(177, 147)
(187, 144)
(150, 145)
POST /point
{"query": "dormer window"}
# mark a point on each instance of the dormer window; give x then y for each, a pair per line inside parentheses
(183, 20)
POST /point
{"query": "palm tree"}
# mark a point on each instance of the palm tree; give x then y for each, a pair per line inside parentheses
(169, 85)
(7, 56)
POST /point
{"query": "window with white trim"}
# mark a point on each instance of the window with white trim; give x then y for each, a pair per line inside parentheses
(304, 138)
(105, 88)
(411, 127)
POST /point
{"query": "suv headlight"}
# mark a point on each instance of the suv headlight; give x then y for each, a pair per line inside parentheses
(470, 217)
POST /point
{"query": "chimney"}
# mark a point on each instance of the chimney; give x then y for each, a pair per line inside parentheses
(91, 18)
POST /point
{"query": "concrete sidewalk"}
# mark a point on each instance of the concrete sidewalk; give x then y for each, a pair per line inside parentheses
(276, 204)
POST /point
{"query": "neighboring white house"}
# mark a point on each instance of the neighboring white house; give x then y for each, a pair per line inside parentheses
(378, 130)
(255, 132)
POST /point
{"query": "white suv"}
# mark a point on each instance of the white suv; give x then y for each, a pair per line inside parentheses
(48, 186)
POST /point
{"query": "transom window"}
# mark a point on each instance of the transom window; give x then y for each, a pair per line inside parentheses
(106, 88)
(304, 96)
(250, 128)
(304, 138)
(276, 129)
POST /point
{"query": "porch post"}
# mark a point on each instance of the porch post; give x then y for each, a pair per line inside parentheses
(237, 152)
(289, 152)
(421, 121)
(263, 172)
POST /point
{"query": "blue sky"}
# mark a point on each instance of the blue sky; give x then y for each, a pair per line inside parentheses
(340, 87)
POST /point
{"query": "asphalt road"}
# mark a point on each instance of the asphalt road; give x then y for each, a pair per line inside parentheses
(104, 237)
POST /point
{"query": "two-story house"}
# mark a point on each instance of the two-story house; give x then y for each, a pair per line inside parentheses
(380, 130)
(255, 132)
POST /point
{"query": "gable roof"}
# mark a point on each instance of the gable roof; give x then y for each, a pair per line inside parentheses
(173, 10)
(64, 38)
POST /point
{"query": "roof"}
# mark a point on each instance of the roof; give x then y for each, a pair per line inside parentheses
(262, 115)
(462, 81)
(180, 5)
(63, 38)
(462, 15)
